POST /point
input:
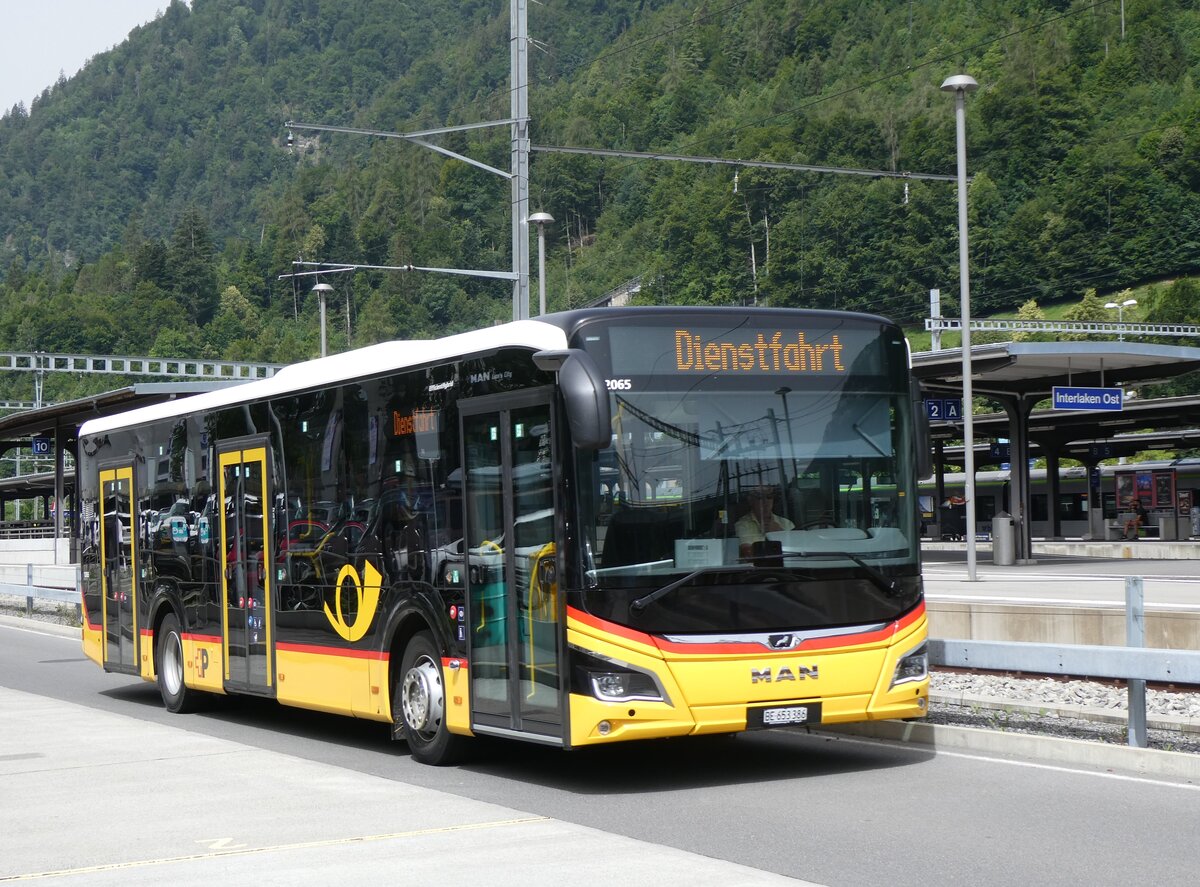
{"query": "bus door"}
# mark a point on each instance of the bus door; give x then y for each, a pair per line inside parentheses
(118, 569)
(246, 570)
(514, 620)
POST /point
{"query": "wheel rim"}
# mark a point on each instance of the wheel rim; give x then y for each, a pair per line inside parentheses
(172, 664)
(421, 698)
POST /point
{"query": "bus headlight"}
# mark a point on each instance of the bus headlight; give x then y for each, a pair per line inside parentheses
(913, 666)
(611, 680)
(623, 686)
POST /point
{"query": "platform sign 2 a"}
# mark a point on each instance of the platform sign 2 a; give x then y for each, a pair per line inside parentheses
(943, 409)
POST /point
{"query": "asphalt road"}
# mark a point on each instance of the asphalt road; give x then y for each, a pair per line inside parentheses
(836, 811)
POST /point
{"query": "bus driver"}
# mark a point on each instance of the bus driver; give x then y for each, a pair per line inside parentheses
(759, 520)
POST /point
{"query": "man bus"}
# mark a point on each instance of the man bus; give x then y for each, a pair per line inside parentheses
(528, 531)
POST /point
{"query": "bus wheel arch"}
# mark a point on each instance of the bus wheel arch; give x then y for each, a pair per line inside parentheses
(418, 698)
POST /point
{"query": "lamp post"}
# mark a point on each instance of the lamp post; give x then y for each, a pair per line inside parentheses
(783, 391)
(1121, 306)
(960, 85)
(322, 290)
(540, 219)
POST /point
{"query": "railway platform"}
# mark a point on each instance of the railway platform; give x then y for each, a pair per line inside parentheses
(1141, 549)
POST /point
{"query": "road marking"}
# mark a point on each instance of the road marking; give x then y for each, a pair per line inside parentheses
(45, 634)
(1120, 777)
(987, 759)
(274, 848)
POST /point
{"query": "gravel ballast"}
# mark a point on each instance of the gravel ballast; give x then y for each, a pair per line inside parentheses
(1072, 709)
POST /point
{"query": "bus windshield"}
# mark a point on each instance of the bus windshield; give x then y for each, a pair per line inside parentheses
(754, 500)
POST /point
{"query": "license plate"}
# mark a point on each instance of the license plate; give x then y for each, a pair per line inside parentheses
(783, 716)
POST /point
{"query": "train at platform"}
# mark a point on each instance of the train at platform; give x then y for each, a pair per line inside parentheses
(1162, 485)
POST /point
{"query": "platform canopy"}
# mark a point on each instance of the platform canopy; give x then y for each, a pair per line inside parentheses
(1019, 375)
(60, 422)
(1033, 368)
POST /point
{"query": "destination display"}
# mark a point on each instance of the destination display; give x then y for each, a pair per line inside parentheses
(691, 349)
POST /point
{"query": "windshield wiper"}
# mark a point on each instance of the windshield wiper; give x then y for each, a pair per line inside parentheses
(887, 585)
(642, 603)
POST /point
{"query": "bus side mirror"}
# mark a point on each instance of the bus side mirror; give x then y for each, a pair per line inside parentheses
(922, 438)
(584, 394)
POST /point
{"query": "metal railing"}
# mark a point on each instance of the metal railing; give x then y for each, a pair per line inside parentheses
(1086, 327)
(179, 367)
(1133, 663)
(44, 593)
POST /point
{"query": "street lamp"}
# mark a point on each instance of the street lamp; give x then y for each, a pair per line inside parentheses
(540, 219)
(960, 85)
(782, 392)
(1121, 306)
(322, 290)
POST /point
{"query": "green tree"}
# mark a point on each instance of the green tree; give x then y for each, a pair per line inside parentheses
(1031, 311)
(191, 268)
(1090, 309)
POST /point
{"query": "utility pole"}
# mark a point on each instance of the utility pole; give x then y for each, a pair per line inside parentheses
(519, 37)
(519, 169)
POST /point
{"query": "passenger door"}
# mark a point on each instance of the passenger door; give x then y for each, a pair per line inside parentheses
(246, 575)
(514, 612)
(118, 569)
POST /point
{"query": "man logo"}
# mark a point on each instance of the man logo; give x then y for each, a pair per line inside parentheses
(781, 641)
(766, 676)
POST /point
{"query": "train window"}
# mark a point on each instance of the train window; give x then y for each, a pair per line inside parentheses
(1072, 506)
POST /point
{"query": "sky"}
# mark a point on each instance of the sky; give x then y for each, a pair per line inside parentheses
(44, 37)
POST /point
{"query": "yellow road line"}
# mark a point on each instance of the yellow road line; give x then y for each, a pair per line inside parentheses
(305, 845)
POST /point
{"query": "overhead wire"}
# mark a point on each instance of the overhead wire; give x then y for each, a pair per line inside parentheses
(700, 19)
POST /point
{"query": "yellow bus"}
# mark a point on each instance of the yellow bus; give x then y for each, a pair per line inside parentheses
(595, 526)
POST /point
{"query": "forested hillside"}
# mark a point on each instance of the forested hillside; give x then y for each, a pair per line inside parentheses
(150, 202)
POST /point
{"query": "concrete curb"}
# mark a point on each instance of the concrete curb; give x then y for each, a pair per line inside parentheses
(1074, 752)
(35, 624)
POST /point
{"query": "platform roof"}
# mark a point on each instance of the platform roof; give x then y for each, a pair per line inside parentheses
(69, 415)
(1032, 369)
(1024, 369)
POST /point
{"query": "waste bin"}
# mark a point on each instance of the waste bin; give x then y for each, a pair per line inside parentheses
(1004, 547)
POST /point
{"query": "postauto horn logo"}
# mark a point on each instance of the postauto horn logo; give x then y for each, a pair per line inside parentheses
(367, 589)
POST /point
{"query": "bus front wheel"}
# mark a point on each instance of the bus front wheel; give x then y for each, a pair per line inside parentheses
(168, 664)
(419, 704)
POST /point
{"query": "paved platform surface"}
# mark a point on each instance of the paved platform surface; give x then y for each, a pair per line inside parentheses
(91, 797)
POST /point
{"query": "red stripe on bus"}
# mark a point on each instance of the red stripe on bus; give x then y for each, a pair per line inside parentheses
(610, 627)
(331, 651)
(446, 660)
(202, 638)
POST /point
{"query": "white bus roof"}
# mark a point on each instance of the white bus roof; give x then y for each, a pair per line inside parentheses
(335, 369)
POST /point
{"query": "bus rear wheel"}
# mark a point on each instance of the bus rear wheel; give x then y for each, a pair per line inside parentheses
(168, 664)
(419, 704)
